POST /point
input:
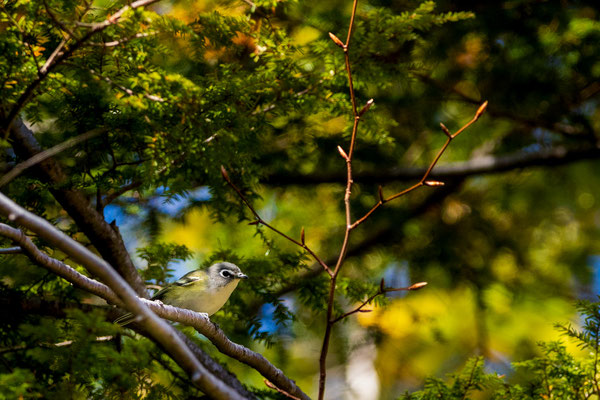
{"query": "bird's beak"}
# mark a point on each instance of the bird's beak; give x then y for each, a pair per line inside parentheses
(242, 276)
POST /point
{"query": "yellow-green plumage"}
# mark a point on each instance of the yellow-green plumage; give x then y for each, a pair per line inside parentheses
(204, 291)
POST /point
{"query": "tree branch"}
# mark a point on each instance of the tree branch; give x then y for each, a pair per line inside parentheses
(388, 235)
(12, 303)
(259, 220)
(104, 238)
(382, 290)
(43, 155)
(11, 250)
(559, 155)
(188, 317)
(423, 181)
(162, 332)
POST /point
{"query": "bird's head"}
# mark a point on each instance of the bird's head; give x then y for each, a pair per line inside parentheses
(224, 273)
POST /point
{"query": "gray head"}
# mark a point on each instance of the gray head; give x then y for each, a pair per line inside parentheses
(224, 273)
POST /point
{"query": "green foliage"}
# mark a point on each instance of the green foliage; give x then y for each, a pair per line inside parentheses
(158, 256)
(558, 373)
(186, 86)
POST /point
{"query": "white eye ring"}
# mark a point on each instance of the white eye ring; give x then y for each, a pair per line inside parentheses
(226, 274)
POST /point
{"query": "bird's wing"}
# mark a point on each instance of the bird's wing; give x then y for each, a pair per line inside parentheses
(185, 280)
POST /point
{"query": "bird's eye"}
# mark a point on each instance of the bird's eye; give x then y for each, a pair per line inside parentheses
(226, 274)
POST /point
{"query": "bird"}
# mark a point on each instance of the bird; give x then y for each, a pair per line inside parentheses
(201, 290)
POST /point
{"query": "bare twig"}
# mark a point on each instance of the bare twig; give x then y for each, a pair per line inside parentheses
(349, 226)
(382, 290)
(11, 250)
(41, 156)
(348, 158)
(261, 221)
(120, 191)
(423, 181)
(283, 392)
(161, 331)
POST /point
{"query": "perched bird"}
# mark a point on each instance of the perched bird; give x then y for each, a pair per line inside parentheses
(204, 291)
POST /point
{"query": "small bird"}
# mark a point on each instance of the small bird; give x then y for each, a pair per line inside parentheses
(203, 291)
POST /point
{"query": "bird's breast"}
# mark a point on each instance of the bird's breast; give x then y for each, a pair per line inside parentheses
(209, 301)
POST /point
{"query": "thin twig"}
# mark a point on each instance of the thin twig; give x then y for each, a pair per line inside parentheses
(126, 89)
(41, 156)
(261, 221)
(348, 158)
(11, 250)
(382, 290)
(423, 181)
(283, 392)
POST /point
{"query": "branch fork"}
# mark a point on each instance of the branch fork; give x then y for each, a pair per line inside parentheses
(349, 226)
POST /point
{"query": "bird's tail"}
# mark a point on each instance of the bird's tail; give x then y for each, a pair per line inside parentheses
(125, 319)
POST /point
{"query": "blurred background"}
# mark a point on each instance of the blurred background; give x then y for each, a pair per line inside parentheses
(507, 245)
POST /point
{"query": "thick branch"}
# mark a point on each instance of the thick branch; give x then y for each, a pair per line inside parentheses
(196, 320)
(104, 238)
(161, 331)
(15, 304)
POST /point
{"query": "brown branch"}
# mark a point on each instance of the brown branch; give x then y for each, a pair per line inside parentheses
(259, 220)
(43, 155)
(161, 331)
(424, 181)
(348, 157)
(389, 234)
(104, 238)
(120, 191)
(381, 291)
(283, 392)
(196, 320)
(58, 267)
